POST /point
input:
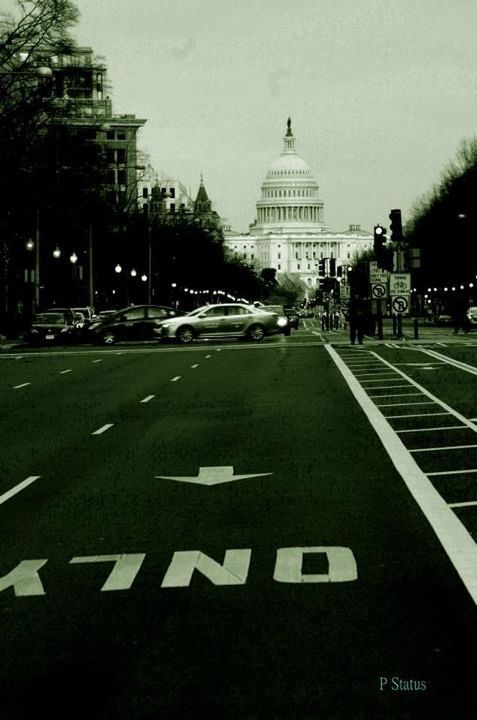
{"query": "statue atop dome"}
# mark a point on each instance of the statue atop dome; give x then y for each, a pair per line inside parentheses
(289, 131)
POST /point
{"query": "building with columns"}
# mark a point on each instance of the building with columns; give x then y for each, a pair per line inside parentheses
(289, 233)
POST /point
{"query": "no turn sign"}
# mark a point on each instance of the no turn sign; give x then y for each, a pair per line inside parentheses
(400, 304)
(378, 290)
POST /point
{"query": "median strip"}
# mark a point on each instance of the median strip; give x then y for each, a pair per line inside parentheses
(21, 486)
(102, 429)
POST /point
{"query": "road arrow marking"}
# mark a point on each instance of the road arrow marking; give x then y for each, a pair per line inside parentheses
(212, 476)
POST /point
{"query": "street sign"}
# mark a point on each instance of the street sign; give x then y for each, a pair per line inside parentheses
(399, 283)
(378, 290)
(400, 304)
(377, 275)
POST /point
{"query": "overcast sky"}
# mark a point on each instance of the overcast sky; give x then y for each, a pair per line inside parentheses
(380, 93)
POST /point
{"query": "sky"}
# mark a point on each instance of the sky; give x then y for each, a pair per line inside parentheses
(380, 92)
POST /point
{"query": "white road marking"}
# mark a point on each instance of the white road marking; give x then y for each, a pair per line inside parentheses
(433, 429)
(453, 536)
(18, 488)
(473, 419)
(463, 504)
(391, 417)
(218, 349)
(393, 394)
(452, 472)
(426, 402)
(194, 366)
(341, 565)
(233, 571)
(16, 387)
(389, 378)
(208, 356)
(63, 372)
(214, 475)
(450, 361)
(19, 357)
(448, 447)
(102, 429)
(387, 387)
(125, 569)
(175, 379)
(96, 361)
(146, 399)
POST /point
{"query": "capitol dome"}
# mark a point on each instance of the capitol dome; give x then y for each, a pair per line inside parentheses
(289, 201)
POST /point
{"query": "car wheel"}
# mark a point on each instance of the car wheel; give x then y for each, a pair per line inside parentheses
(108, 338)
(256, 333)
(185, 334)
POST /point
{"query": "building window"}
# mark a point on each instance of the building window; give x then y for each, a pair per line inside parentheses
(110, 156)
(120, 135)
(298, 266)
(252, 256)
(172, 207)
(122, 179)
(279, 267)
(121, 156)
(279, 256)
(110, 135)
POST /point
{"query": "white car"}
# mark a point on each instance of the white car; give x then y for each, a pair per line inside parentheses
(472, 315)
(220, 321)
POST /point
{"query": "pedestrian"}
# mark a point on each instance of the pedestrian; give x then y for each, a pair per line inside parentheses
(459, 315)
(357, 319)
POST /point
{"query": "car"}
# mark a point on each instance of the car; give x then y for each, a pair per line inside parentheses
(87, 311)
(137, 322)
(68, 312)
(283, 320)
(48, 328)
(443, 320)
(237, 320)
(472, 316)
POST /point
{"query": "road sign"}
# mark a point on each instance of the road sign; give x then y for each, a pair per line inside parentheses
(400, 304)
(378, 290)
(376, 274)
(399, 283)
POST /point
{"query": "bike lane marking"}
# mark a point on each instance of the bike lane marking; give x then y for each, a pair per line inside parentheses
(452, 534)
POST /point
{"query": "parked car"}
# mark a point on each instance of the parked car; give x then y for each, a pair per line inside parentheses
(66, 311)
(132, 323)
(282, 321)
(472, 316)
(221, 321)
(48, 328)
(443, 320)
(87, 311)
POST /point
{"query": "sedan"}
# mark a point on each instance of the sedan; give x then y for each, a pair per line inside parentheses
(283, 320)
(48, 328)
(137, 322)
(221, 321)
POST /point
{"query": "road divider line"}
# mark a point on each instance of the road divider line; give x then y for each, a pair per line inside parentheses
(448, 447)
(63, 372)
(146, 399)
(457, 542)
(18, 488)
(102, 429)
(175, 379)
(17, 387)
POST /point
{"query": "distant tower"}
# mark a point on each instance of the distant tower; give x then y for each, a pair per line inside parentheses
(202, 204)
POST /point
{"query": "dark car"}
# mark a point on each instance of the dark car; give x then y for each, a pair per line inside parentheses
(132, 323)
(292, 315)
(48, 328)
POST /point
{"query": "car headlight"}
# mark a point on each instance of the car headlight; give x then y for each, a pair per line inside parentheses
(282, 322)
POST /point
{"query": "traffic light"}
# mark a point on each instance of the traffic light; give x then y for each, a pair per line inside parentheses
(321, 268)
(332, 267)
(396, 225)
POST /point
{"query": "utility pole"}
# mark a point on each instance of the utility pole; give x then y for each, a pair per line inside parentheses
(37, 260)
(90, 265)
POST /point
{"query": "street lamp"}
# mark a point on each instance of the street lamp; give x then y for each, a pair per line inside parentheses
(57, 253)
(118, 268)
(73, 258)
(133, 272)
(144, 277)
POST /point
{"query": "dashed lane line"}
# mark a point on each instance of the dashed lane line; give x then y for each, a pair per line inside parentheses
(195, 366)
(18, 488)
(63, 372)
(147, 399)
(97, 361)
(175, 379)
(453, 536)
(208, 356)
(102, 429)
(17, 387)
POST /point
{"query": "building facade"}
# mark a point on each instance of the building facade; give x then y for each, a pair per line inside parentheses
(289, 233)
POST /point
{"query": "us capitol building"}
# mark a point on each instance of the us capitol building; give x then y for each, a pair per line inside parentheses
(289, 233)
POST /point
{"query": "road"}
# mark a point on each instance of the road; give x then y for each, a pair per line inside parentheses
(239, 531)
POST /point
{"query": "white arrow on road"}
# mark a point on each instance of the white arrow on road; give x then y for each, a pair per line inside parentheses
(212, 476)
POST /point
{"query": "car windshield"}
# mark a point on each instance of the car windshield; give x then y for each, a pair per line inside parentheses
(49, 318)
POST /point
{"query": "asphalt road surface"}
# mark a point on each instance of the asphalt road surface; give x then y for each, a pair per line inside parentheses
(238, 531)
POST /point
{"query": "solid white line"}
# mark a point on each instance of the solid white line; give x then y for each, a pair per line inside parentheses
(175, 379)
(95, 361)
(391, 417)
(452, 472)
(64, 371)
(102, 429)
(10, 493)
(431, 429)
(194, 366)
(450, 361)
(463, 504)
(146, 399)
(453, 536)
(473, 419)
(448, 447)
(16, 387)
